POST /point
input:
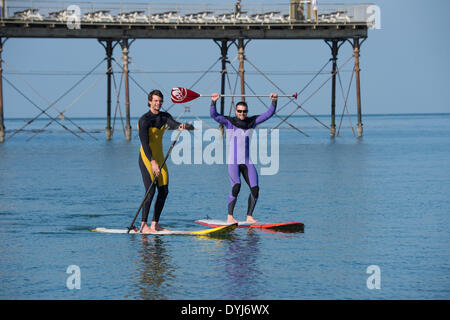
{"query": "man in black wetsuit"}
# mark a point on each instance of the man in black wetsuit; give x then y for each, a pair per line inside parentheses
(152, 126)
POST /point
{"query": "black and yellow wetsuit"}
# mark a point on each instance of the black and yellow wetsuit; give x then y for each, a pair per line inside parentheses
(151, 130)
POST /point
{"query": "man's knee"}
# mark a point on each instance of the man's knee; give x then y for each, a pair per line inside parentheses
(236, 189)
(255, 192)
(163, 191)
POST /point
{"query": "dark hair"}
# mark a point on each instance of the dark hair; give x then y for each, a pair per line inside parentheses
(154, 93)
(241, 103)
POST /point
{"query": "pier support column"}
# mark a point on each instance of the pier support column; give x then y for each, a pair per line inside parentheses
(2, 125)
(224, 53)
(223, 45)
(241, 56)
(334, 53)
(125, 50)
(356, 50)
(109, 51)
(334, 46)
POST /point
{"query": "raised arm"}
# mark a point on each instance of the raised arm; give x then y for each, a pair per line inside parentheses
(213, 111)
(270, 112)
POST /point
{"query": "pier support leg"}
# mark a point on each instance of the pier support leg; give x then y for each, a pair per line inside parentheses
(125, 50)
(356, 50)
(241, 57)
(334, 52)
(224, 53)
(2, 125)
(334, 46)
(109, 51)
(223, 45)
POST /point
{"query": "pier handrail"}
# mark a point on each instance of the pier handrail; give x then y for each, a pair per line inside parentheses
(38, 11)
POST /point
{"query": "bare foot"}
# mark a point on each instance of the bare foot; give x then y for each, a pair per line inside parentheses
(250, 219)
(231, 219)
(145, 228)
(156, 227)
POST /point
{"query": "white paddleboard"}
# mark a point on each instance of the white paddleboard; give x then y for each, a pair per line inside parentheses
(205, 232)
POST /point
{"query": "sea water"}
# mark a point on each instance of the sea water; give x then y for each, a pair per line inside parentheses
(375, 209)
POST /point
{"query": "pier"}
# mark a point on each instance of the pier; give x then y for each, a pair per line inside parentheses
(117, 25)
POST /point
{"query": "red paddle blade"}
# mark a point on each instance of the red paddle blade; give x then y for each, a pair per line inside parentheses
(295, 96)
(182, 95)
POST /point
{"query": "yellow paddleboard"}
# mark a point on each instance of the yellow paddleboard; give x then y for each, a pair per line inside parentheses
(205, 232)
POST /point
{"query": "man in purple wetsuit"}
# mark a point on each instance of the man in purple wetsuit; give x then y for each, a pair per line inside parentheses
(239, 131)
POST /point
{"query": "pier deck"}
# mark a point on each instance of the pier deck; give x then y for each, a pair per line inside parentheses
(182, 21)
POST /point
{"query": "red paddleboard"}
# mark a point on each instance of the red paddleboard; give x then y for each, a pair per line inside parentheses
(277, 227)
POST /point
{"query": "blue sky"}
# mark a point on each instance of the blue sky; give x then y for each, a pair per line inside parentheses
(405, 67)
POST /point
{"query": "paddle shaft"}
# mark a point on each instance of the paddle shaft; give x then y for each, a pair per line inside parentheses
(153, 182)
(182, 95)
(246, 95)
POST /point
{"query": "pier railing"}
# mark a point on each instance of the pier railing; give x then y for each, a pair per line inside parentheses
(135, 13)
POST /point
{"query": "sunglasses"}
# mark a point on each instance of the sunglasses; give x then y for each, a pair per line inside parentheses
(242, 111)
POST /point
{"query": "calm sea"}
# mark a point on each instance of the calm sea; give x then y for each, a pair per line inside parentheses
(383, 201)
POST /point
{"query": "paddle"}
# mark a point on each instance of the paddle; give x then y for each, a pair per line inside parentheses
(131, 227)
(182, 95)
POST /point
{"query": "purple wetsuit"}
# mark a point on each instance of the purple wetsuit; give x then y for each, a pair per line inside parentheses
(239, 134)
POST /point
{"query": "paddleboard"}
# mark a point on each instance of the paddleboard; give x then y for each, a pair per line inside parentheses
(206, 232)
(280, 227)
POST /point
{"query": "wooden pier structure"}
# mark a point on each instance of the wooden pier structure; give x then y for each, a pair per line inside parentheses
(112, 24)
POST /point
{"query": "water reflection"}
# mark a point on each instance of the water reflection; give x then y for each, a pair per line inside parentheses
(231, 263)
(243, 275)
(157, 270)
